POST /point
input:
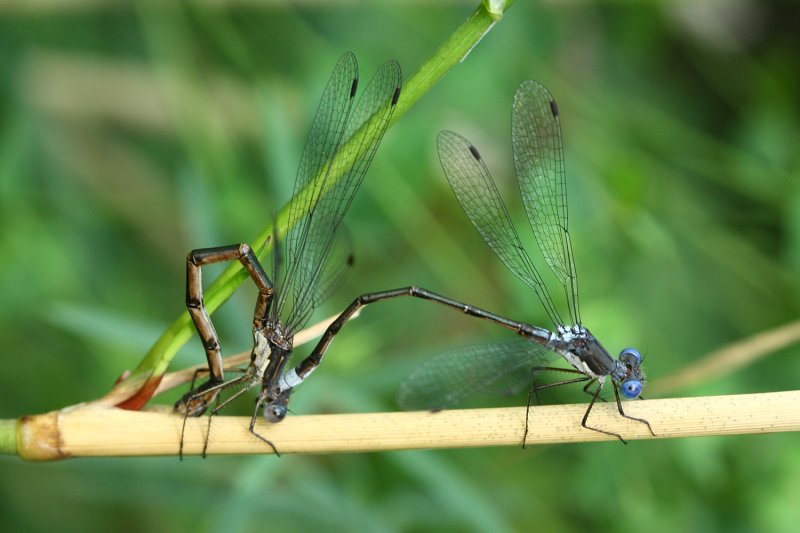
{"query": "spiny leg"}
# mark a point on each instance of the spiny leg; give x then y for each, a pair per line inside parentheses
(196, 305)
(534, 390)
(622, 413)
(209, 390)
(587, 391)
(186, 410)
(539, 369)
(589, 409)
(196, 400)
(208, 426)
(253, 431)
(314, 359)
(221, 405)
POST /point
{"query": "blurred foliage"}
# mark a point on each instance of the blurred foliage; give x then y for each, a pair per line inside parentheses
(130, 135)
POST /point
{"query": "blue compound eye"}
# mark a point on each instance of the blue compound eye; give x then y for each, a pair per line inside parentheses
(276, 412)
(630, 352)
(631, 389)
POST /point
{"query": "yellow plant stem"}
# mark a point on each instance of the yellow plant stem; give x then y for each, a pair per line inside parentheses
(94, 431)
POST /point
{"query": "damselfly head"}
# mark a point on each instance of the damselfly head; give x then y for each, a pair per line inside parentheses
(275, 412)
(632, 386)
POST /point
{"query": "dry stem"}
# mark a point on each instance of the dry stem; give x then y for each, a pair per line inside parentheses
(95, 431)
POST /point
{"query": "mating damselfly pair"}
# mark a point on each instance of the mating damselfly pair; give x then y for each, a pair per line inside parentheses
(309, 257)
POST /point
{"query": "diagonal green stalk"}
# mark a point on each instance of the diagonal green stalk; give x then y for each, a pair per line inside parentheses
(452, 52)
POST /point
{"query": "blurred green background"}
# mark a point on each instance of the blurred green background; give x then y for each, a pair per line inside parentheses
(130, 135)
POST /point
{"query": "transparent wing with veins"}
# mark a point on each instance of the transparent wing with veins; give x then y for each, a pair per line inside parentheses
(451, 377)
(539, 161)
(340, 148)
(337, 266)
(481, 201)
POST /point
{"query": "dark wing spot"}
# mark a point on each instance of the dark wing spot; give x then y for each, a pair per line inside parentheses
(350, 260)
(353, 87)
(474, 152)
(553, 108)
(396, 96)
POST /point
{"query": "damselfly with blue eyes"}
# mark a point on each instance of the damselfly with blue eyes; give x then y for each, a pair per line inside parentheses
(307, 261)
(445, 380)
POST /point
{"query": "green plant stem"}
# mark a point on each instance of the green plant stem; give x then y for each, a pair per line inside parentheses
(452, 52)
(8, 437)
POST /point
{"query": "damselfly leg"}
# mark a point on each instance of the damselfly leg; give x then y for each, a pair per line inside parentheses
(196, 401)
